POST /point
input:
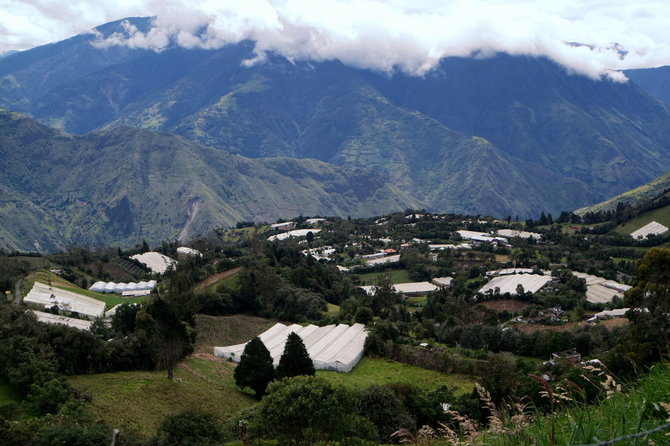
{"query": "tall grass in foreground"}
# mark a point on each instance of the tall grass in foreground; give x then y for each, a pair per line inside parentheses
(623, 413)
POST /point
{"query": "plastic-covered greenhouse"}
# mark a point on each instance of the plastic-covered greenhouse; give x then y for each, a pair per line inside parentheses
(112, 287)
(47, 296)
(333, 347)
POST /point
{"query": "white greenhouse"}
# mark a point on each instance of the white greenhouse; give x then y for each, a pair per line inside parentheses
(120, 288)
(333, 347)
(47, 296)
(49, 318)
(531, 283)
(155, 261)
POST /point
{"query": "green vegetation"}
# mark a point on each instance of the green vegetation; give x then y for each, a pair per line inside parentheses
(640, 409)
(371, 371)
(140, 400)
(295, 360)
(661, 215)
(111, 194)
(396, 276)
(215, 331)
(333, 310)
(46, 277)
(255, 369)
(228, 279)
(496, 340)
(8, 394)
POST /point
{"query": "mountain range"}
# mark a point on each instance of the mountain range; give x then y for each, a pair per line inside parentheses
(502, 135)
(123, 185)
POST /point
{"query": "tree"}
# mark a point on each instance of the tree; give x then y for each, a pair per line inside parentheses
(295, 360)
(169, 336)
(385, 296)
(381, 406)
(311, 410)
(500, 377)
(123, 321)
(255, 369)
(648, 339)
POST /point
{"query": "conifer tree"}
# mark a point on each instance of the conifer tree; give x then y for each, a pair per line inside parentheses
(255, 369)
(295, 360)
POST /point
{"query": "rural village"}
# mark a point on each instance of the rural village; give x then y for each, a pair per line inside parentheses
(429, 322)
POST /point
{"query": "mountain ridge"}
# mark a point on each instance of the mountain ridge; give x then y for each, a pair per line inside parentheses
(505, 135)
(98, 188)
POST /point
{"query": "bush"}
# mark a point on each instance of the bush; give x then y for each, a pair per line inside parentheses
(308, 409)
(189, 428)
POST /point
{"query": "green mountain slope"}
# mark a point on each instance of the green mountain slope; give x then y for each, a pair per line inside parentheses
(503, 135)
(127, 184)
(650, 191)
(654, 81)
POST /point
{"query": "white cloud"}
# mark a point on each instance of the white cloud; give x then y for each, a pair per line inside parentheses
(407, 35)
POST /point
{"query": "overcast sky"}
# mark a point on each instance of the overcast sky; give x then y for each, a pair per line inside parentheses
(396, 34)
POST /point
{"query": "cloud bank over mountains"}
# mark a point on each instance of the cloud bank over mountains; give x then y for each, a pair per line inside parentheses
(594, 38)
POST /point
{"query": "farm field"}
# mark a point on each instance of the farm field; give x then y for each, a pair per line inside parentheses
(212, 281)
(213, 331)
(140, 400)
(661, 215)
(396, 275)
(383, 371)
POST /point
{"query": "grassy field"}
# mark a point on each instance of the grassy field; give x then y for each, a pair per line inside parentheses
(381, 371)
(141, 400)
(333, 310)
(661, 215)
(215, 331)
(45, 277)
(396, 275)
(417, 301)
(8, 395)
(34, 262)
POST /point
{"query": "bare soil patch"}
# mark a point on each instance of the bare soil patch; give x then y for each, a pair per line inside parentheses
(211, 280)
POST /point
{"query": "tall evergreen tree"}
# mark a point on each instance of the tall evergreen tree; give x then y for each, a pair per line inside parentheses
(295, 360)
(255, 369)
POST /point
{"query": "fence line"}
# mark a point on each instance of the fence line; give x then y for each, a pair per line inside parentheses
(631, 436)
